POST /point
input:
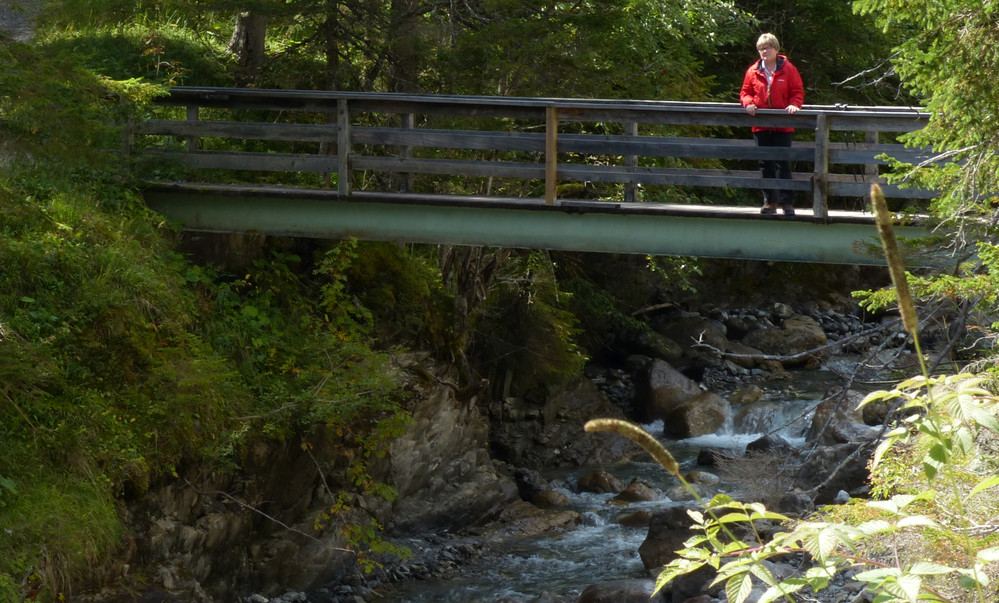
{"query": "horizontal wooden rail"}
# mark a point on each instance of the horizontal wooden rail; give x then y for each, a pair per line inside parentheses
(328, 132)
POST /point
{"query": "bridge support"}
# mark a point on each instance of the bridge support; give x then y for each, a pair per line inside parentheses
(646, 228)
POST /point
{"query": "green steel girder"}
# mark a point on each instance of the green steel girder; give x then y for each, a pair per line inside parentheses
(594, 226)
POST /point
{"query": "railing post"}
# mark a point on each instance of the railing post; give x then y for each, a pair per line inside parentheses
(128, 138)
(551, 153)
(192, 141)
(820, 182)
(342, 148)
(871, 169)
(406, 153)
(630, 188)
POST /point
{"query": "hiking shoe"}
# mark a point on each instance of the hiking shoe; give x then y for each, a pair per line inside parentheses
(788, 210)
(766, 209)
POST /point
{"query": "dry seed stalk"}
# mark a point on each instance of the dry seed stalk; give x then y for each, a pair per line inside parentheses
(639, 436)
(883, 219)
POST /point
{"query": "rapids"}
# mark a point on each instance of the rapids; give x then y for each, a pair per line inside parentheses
(598, 548)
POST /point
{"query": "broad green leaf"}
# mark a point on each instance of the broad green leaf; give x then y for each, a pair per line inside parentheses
(720, 500)
(987, 483)
(677, 567)
(878, 574)
(917, 520)
(822, 543)
(988, 555)
(875, 396)
(738, 588)
(763, 573)
(732, 547)
(784, 589)
(910, 585)
(879, 452)
(733, 517)
(876, 526)
(924, 568)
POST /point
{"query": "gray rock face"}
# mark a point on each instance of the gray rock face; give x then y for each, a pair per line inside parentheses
(660, 389)
(441, 466)
(205, 537)
(549, 433)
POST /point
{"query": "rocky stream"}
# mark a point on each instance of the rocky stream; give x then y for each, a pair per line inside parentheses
(507, 499)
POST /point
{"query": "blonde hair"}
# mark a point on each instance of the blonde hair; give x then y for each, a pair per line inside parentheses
(768, 39)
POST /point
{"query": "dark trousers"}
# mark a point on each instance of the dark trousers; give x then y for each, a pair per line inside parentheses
(773, 168)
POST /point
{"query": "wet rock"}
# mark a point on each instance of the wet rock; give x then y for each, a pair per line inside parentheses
(747, 395)
(821, 462)
(550, 499)
(686, 493)
(742, 355)
(782, 311)
(620, 591)
(708, 457)
(521, 518)
(796, 335)
(553, 435)
(636, 519)
(600, 482)
(636, 491)
(738, 326)
(837, 420)
(648, 343)
(690, 331)
(771, 444)
(668, 530)
(702, 477)
(796, 504)
(659, 389)
(701, 414)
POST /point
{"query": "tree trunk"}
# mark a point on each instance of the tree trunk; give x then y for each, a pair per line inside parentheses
(332, 35)
(404, 50)
(247, 43)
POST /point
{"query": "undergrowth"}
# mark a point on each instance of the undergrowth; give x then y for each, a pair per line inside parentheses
(121, 362)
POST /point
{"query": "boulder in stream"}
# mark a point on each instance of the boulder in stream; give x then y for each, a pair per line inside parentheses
(621, 591)
(796, 335)
(701, 414)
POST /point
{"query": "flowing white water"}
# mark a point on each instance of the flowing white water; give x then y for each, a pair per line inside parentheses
(600, 549)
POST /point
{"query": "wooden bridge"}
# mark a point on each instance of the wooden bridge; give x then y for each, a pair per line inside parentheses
(380, 166)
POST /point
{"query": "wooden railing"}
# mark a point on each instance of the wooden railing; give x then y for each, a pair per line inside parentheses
(530, 138)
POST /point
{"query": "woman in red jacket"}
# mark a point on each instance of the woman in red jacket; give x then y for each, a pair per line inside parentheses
(773, 83)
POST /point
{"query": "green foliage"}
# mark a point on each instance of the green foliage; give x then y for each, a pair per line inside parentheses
(401, 288)
(527, 328)
(120, 360)
(946, 57)
(61, 524)
(842, 56)
(600, 48)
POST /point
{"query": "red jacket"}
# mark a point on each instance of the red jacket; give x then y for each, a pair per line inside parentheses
(785, 89)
